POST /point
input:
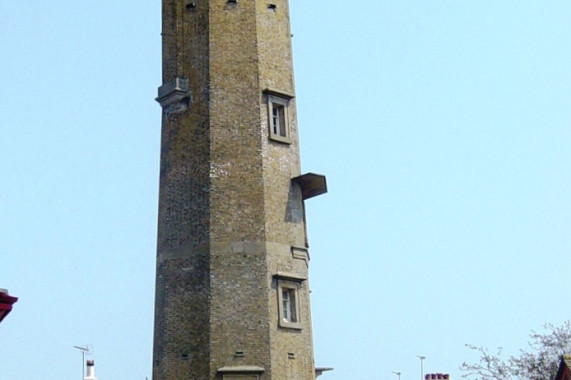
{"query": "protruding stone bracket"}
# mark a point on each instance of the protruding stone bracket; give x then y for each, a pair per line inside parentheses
(319, 370)
(300, 253)
(175, 96)
(311, 185)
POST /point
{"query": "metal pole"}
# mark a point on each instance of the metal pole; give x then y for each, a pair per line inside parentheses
(83, 350)
(421, 367)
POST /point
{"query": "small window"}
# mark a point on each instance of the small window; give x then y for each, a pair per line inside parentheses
(278, 117)
(278, 120)
(288, 297)
(288, 307)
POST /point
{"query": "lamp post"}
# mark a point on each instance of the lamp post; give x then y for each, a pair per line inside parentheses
(398, 373)
(83, 351)
(421, 367)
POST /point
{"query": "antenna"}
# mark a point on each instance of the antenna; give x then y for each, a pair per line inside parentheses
(85, 349)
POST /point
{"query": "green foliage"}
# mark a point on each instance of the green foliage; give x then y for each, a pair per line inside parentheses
(539, 362)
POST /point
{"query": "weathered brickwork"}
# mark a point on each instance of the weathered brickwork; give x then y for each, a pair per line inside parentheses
(231, 221)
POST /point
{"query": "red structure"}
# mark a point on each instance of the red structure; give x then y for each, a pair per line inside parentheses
(6, 302)
(564, 373)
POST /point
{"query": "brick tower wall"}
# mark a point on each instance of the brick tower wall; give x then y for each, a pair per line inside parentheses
(230, 218)
(182, 299)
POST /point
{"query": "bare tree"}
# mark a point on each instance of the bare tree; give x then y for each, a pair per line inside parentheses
(539, 362)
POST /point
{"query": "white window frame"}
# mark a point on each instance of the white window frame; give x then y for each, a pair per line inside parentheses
(285, 307)
(289, 308)
(279, 100)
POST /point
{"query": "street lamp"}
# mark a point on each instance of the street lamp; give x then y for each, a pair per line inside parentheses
(421, 367)
(83, 351)
(398, 373)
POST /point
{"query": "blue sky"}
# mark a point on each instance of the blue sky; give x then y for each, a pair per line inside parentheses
(442, 127)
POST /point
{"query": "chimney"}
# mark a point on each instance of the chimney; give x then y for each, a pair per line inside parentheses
(437, 376)
(90, 370)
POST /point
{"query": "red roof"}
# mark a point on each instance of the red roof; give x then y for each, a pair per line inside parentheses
(6, 303)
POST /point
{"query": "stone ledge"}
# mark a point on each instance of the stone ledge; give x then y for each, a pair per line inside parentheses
(290, 276)
(279, 93)
(241, 369)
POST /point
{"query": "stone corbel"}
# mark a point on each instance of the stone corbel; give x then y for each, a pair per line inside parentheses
(311, 185)
(174, 97)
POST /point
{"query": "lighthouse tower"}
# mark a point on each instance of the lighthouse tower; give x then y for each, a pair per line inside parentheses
(232, 290)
